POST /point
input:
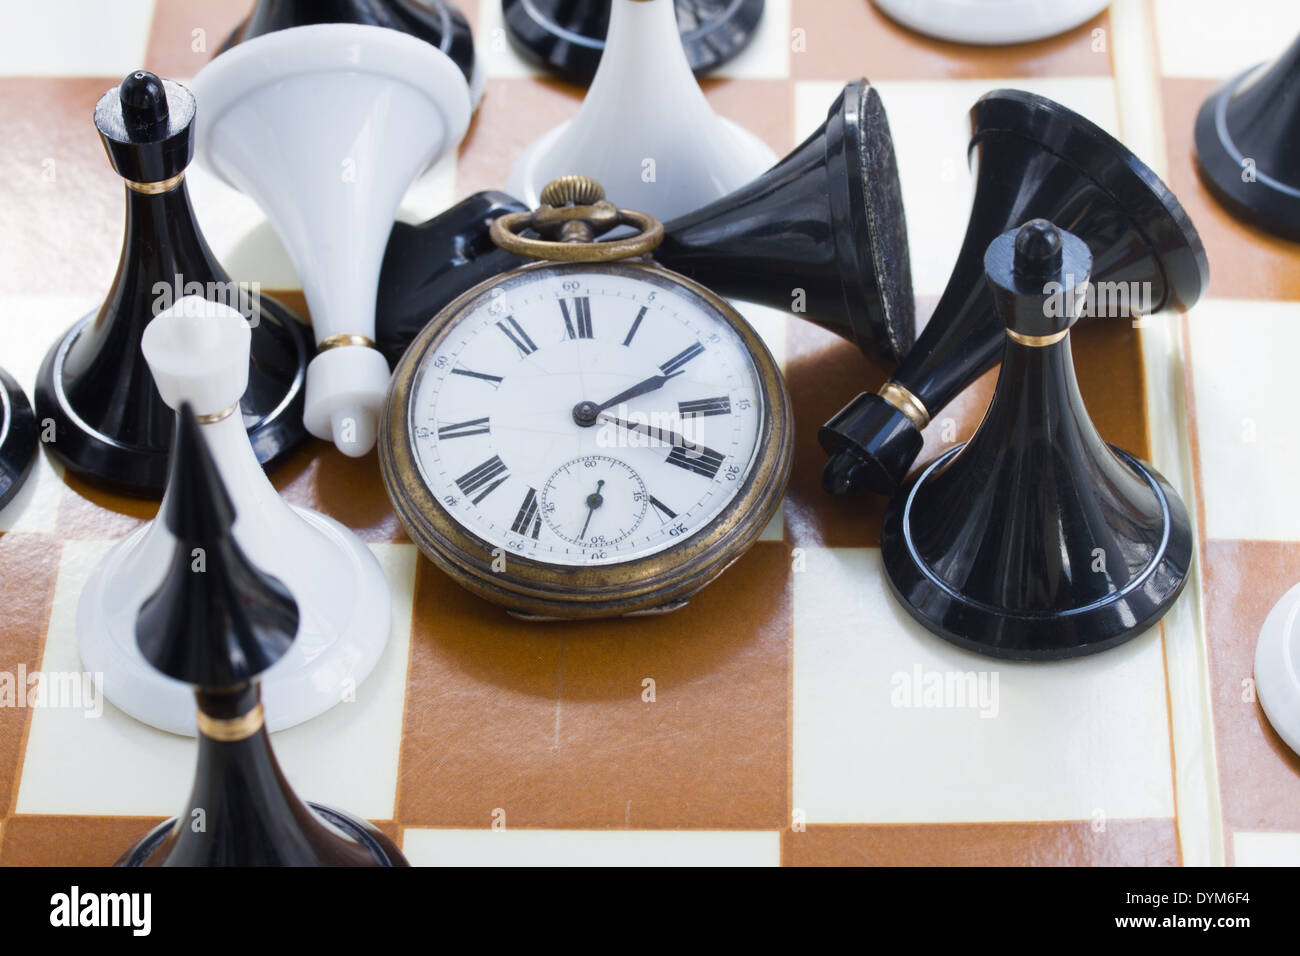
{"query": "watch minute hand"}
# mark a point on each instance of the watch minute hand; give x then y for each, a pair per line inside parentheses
(667, 436)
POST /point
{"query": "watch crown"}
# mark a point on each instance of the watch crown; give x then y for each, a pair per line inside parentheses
(572, 190)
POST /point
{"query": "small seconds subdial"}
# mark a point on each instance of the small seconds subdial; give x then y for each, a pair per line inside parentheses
(594, 501)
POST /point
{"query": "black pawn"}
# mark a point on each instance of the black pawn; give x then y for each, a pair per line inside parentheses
(18, 438)
(111, 426)
(218, 622)
(1248, 144)
(436, 22)
(1036, 540)
(567, 37)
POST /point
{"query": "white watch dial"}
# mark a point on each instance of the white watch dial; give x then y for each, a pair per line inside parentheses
(585, 417)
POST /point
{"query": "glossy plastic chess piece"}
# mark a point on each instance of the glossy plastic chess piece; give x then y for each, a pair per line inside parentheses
(325, 127)
(18, 438)
(1034, 158)
(992, 22)
(428, 265)
(111, 428)
(436, 22)
(198, 352)
(645, 130)
(219, 629)
(568, 36)
(827, 220)
(1248, 144)
(1036, 540)
(1277, 668)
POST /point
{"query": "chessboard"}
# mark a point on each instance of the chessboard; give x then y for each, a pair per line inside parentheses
(784, 716)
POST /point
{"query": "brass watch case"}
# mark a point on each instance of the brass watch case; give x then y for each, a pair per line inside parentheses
(663, 581)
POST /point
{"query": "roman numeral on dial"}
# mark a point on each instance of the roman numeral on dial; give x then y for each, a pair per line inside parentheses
(478, 426)
(665, 513)
(488, 476)
(516, 334)
(681, 358)
(636, 324)
(528, 522)
(577, 317)
(700, 460)
(704, 407)
(493, 380)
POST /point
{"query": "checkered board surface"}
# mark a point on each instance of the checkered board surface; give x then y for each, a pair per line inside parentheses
(775, 734)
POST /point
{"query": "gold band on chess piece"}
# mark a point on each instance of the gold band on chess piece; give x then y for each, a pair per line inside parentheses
(154, 189)
(344, 340)
(228, 730)
(907, 403)
(1037, 341)
(213, 417)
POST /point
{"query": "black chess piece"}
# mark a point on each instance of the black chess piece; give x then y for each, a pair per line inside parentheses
(18, 437)
(1036, 540)
(218, 622)
(1248, 144)
(1034, 159)
(567, 37)
(821, 233)
(437, 22)
(111, 426)
(428, 265)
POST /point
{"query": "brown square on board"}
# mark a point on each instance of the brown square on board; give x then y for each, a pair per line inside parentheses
(1070, 843)
(882, 50)
(1259, 776)
(1245, 262)
(549, 722)
(61, 202)
(186, 34)
(29, 566)
(31, 840)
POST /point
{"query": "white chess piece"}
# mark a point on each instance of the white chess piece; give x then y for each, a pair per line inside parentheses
(645, 131)
(992, 22)
(326, 127)
(198, 353)
(1277, 668)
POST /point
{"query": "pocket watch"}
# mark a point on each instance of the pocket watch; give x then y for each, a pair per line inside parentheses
(590, 434)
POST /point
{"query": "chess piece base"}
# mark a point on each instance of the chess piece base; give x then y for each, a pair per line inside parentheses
(384, 850)
(991, 22)
(568, 39)
(1261, 198)
(1038, 636)
(1277, 668)
(340, 639)
(18, 438)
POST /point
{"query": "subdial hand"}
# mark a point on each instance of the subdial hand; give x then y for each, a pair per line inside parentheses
(594, 501)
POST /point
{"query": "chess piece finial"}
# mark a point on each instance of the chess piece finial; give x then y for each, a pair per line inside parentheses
(197, 352)
(347, 117)
(1247, 137)
(1036, 540)
(992, 22)
(218, 622)
(568, 36)
(18, 438)
(1034, 158)
(645, 130)
(111, 428)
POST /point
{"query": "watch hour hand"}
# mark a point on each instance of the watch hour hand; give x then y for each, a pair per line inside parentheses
(649, 385)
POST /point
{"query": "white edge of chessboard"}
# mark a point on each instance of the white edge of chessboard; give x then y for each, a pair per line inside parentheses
(1200, 818)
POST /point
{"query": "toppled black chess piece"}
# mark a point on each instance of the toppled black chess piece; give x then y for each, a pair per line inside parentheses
(18, 437)
(825, 223)
(436, 22)
(1036, 540)
(1248, 141)
(1034, 158)
(218, 622)
(111, 427)
(567, 37)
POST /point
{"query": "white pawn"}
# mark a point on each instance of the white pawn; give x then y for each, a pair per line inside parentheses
(1277, 668)
(645, 131)
(198, 353)
(992, 22)
(326, 127)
